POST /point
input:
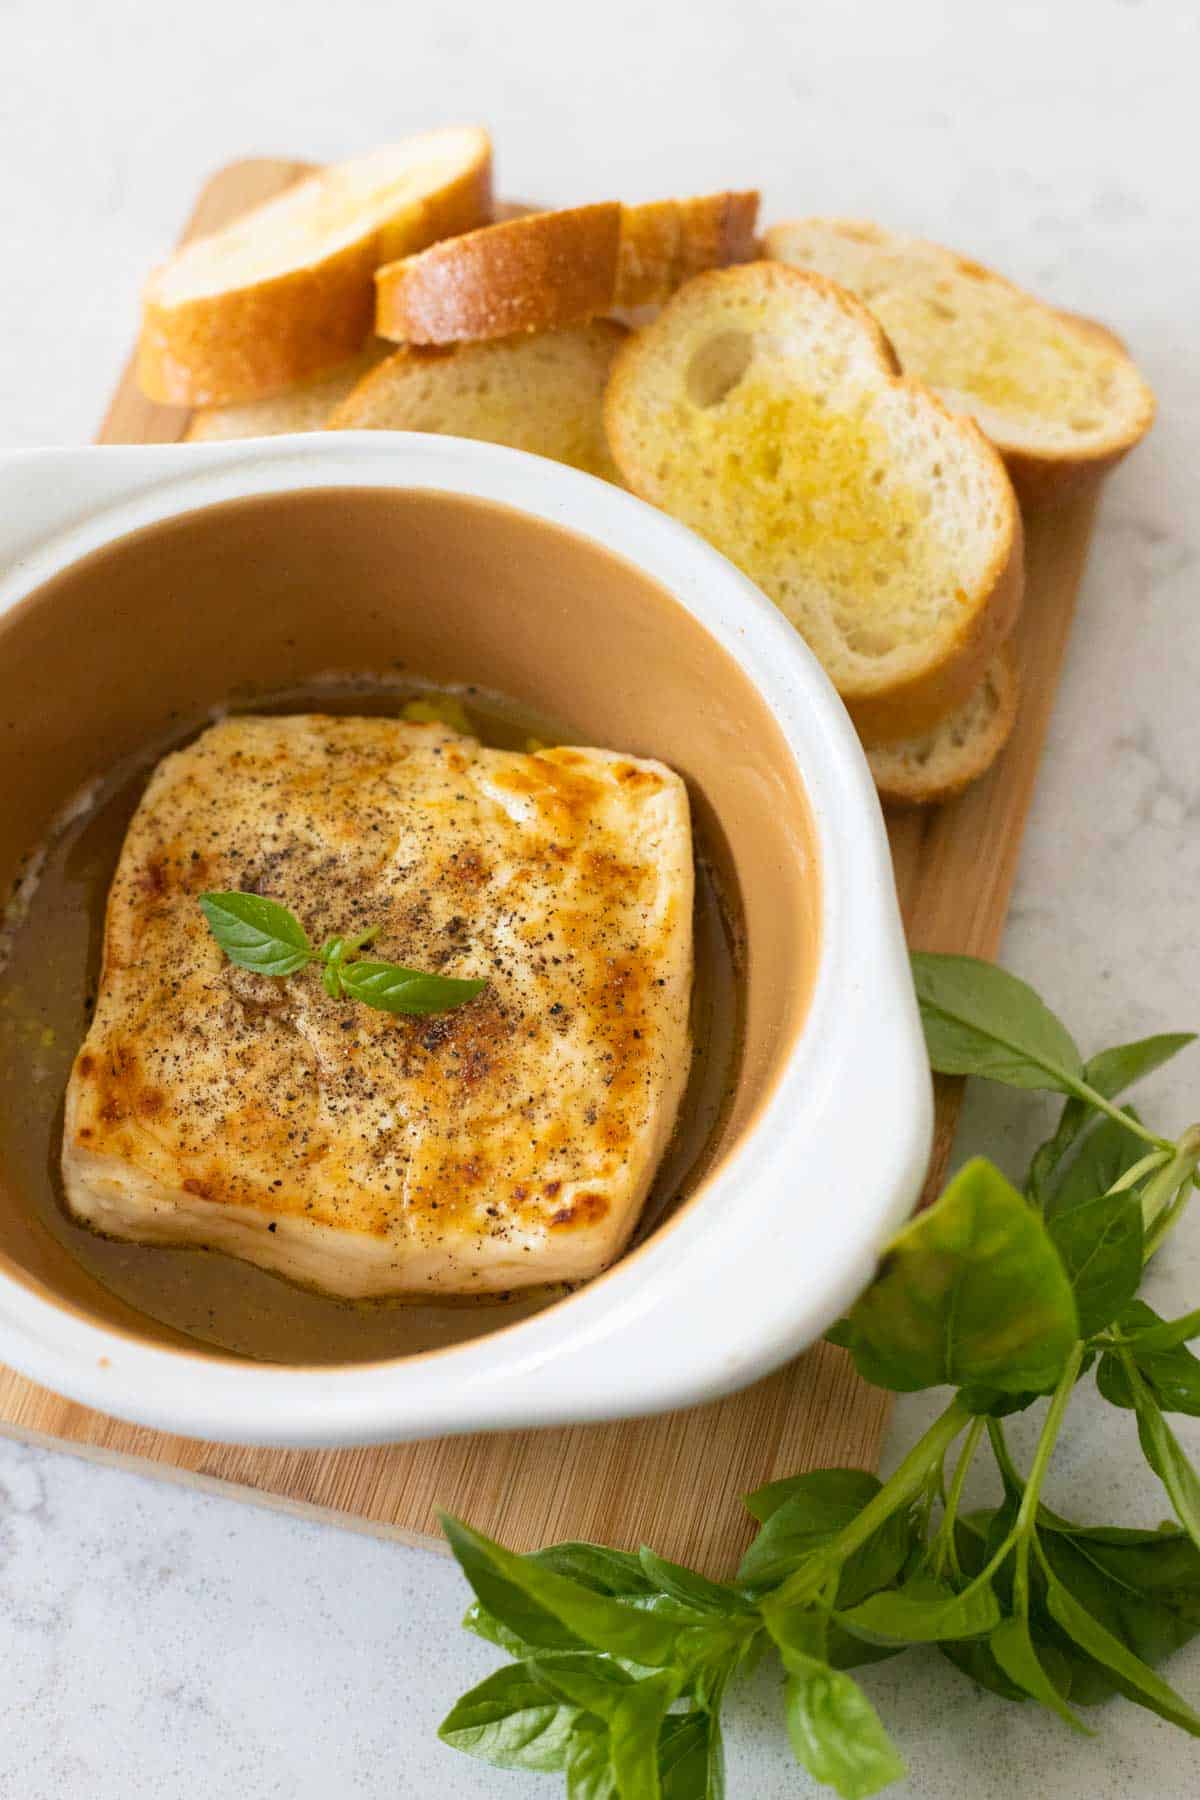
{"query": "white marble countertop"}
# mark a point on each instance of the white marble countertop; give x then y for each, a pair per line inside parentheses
(153, 1640)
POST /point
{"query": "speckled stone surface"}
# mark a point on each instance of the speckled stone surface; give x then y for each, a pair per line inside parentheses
(155, 1642)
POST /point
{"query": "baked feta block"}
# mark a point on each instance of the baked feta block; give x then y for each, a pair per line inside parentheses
(510, 1142)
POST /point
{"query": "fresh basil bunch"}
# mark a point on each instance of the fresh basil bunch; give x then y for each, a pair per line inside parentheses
(622, 1661)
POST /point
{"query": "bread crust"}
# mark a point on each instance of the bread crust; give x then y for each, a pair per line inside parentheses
(304, 407)
(1040, 476)
(903, 785)
(1044, 480)
(542, 271)
(884, 710)
(913, 707)
(250, 341)
(535, 273)
(664, 242)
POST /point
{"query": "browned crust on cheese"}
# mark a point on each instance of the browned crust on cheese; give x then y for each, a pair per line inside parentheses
(891, 710)
(535, 273)
(249, 342)
(664, 242)
(904, 782)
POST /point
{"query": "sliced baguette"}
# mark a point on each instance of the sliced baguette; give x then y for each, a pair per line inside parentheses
(763, 407)
(665, 242)
(1059, 396)
(535, 273)
(541, 392)
(546, 270)
(286, 292)
(303, 408)
(926, 770)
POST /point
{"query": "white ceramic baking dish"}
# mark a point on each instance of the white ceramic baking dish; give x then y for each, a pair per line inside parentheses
(833, 1143)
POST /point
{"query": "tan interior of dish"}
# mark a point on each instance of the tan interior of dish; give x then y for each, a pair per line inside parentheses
(271, 591)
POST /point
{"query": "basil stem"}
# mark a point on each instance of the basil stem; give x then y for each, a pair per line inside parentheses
(945, 1554)
(901, 1487)
(1168, 1193)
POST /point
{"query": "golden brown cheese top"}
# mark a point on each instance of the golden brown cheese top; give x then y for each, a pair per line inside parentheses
(564, 878)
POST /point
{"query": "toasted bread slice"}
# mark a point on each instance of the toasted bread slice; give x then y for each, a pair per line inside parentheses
(303, 408)
(925, 770)
(286, 292)
(665, 242)
(763, 407)
(546, 270)
(1059, 396)
(542, 392)
(535, 273)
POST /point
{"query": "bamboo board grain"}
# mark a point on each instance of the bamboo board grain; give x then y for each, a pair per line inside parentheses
(672, 1481)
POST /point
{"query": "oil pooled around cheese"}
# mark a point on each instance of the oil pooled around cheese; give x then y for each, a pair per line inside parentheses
(46, 991)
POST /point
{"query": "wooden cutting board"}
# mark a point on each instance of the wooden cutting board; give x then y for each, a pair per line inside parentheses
(672, 1481)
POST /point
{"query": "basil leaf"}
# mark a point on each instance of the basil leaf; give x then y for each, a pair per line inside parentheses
(924, 1612)
(980, 1020)
(1113, 1382)
(1120, 1536)
(604, 1571)
(836, 1733)
(1174, 1378)
(807, 1632)
(633, 1734)
(1172, 1375)
(845, 1651)
(691, 1589)
(1106, 1153)
(1099, 1240)
(973, 1658)
(691, 1757)
(796, 1527)
(1012, 1647)
(832, 1496)
(1164, 1453)
(590, 1774)
(878, 1562)
(972, 1532)
(1174, 1383)
(798, 1632)
(507, 1615)
(632, 1710)
(392, 989)
(582, 1679)
(1165, 1334)
(1110, 1073)
(970, 1291)
(1076, 1674)
(1139, 1681)
(525, 1594)
(513, 1720)
(257, 933)
(829, 1497)
(987, 1403)
(1145, 1592)
(486, 1625)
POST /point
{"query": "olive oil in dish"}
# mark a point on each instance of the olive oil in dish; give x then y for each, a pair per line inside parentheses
(203, 1295)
